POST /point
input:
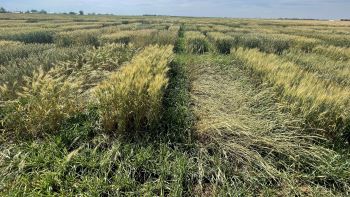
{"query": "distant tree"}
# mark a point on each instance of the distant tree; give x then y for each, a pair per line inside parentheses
(81, 12)
(43, 12)
(27, 12)
(2, 10)
(72, 13)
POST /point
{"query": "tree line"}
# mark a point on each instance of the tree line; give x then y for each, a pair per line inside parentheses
(42, 11)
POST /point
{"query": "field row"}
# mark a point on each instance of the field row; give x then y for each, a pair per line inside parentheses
(173, 106)
(42, 101)
(312, 75)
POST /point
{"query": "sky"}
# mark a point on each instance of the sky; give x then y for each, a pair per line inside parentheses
(321, 9)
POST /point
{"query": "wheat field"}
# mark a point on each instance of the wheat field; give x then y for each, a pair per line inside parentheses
(173, 106)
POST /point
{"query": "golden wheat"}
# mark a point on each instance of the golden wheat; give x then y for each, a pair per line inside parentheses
(131, 98)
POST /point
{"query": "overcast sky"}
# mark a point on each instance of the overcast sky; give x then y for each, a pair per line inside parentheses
(220, 8)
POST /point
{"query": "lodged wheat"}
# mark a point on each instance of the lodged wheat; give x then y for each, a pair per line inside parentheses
(42, 104)
(337, 53)
(322, 103)
(327, 69)
(47, 98)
